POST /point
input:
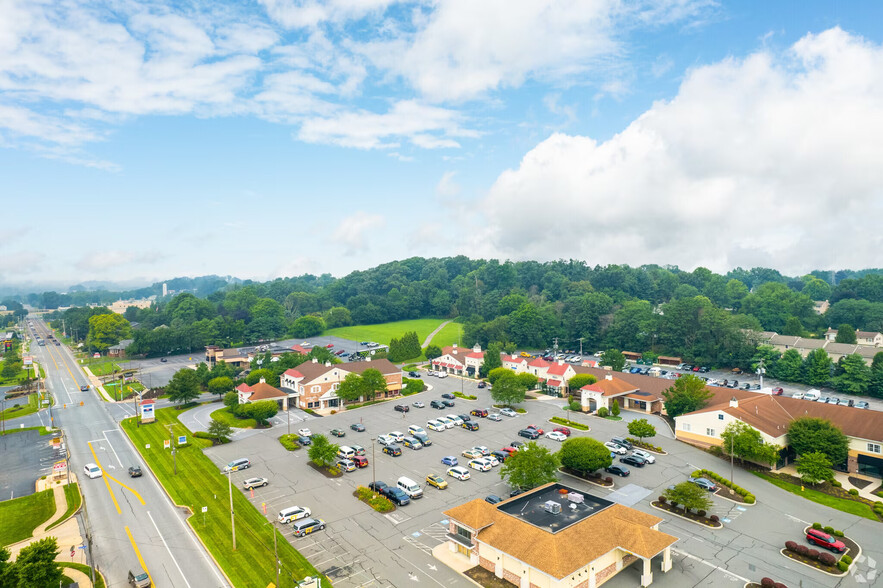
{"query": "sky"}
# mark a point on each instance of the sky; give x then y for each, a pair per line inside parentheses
(141, 141)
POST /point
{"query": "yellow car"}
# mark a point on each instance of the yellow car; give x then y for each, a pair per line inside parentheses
(525, 354)
(437, 481)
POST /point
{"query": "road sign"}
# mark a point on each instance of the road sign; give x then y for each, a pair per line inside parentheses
(166, 443)
(204, 509)
(182, 440)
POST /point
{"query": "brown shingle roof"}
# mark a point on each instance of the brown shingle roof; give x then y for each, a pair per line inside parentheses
(311, 370)
(264, 391)
(788, 340)
(841, 348)
(612, 387)
(866, 334)
(805, 343)
(557, 554)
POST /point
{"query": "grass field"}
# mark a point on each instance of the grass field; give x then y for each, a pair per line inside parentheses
(20, 410)
(225, 416)
(101, 367)
(130, 388)
(198, 484)
(99, 579)
(72, 495)
(42, 430)
(452, 333)
(383, 332)
(850, 506)
(21, 516)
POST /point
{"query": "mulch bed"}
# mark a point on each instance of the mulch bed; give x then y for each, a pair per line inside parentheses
(687, 515)
(814, 562)
(725, 492)
(324, 471)
(858, 482)
(488, 579)
(593, 477)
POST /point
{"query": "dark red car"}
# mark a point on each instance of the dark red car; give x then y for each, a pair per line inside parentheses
(563, 430)
(777, 391)
(825, 540)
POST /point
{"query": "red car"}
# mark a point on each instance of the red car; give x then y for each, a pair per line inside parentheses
(696, 368)
(777, 391)
(509, 450)
(536, 428)
(825, 540)
(329, 346)
(563, 430)
(360, 461)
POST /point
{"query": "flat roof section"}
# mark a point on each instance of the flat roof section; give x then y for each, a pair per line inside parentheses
(531, 507)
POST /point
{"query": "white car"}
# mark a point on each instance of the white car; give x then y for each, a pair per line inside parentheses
(454, 419)
(645, 454)
(442, 374)
(385, 440)
(459, 472)
(252, 483)
(397, 435)
(494, 417)
(435, 425)
(416, 429)
(798, 395)
(448, 423)
(480, 464)
(492, 460)
(293, 513)
(508, 412)
(305, 432)
(482, 449)
(556, 436)
(430, 372)
(619, 449)
(92, 470)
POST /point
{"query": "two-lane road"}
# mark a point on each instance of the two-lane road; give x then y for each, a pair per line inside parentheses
(133, 522)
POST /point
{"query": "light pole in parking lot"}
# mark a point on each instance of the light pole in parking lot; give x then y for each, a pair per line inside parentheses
(232, 521)
(374, 463)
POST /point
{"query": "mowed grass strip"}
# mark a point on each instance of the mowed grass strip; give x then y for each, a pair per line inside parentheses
(72, 495)
(849, 506)
(450, 334)
(199, 483)
(225, 416)
(20, 410)
(21, 516)
(383, 332)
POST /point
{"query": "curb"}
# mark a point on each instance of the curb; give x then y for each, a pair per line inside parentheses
(782, 551)
(610, 487)
(733, 501)
(854, 557)
(686, 519)
(586, 430)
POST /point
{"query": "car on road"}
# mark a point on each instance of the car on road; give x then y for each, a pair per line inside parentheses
(563, 430)
(704, 483)
(346, 465)
(528, 433)
(645, 455)
(480, 465)
(418, 404)
(338, 432)
(508, 412)
(163, 360)
(634, 460)
(84, 388)
(472, 454)
(448, 396)
(305, 432)
(470, 425)
(413, 375)
(307, 526)
(481, 384)
(304, 440)
(619, 470)
(822, 539)
(293, 513)
(134, 472)
(459, 472)
(493, 499)
(435, 425)
(358, 427)
(494, 417)
(556, 436)
(437, 481)
(392, 450)
(449, 460)
(401, 407)
(396, 495)
(139, 579)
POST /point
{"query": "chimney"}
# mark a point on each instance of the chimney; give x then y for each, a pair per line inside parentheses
(263, 381)
(734, 402)
(327, 364)
(608, 377)
(560, 362)
(477, 348)
(315, 360)
(455, 348)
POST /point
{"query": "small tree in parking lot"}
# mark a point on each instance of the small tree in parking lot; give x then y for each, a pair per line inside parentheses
(219, 431)
(508, 389)
(689, 495)
(584, 454)
(322, 451)
(531, 466)
(641, 429)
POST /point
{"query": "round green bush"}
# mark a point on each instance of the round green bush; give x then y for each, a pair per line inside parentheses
(847, 559)
(837, 533)
(842, 566)
(817, 526)
(829, 530)
(853, 491)
(750, 499)
(836, 484)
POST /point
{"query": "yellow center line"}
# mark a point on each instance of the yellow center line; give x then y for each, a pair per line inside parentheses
(138, 496)
(104, 477)
(138, 553)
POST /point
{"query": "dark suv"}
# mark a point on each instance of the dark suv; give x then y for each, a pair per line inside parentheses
(437, 404)
(401, 407)
(529, 433)
(396, 495)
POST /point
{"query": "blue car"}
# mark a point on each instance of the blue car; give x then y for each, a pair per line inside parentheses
(304, 440)
(449, 460)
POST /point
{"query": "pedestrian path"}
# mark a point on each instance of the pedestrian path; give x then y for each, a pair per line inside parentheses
(429, 337)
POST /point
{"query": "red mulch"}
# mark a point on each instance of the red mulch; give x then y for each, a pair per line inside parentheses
(687, 514)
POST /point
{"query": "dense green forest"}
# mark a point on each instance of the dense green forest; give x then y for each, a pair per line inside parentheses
(699, 315)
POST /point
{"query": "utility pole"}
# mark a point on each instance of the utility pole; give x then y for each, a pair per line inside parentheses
(175, 455)
(580, 345)
(232, 521)
(760, 373)
(555, 346)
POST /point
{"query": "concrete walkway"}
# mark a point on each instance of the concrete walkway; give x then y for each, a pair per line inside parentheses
(429, 337)
(844, 479)
(82, 580)
(96, 383)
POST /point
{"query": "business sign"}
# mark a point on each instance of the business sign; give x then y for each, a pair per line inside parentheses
(166, 443)
(182, 440)
(147, 415)
(27, 360)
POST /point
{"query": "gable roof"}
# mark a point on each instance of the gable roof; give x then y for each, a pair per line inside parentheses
(867, 334)
(788, 340)
(555, 554)
(539, 363)
(557, 369)
(612, 387)
(476, 354)
(804, 343)
(841, 348)
(310, 371)
(264, 391)
(293, 373)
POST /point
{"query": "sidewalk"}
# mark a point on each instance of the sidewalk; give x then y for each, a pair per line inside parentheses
(96, 383)
(455, 561)
(843, 478)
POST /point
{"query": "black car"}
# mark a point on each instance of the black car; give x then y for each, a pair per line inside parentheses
(134, 472)
(464, 417)
(163, 360)
(402, 407)
(396, 495)
(704, 370)
(481, 384)
(392, 450)
(357, 427)
(437, 404)
(515, 492)
(618, 470)
(413, 375)
(470, 425)
(377, 486)
(529, 433)
(493, 499)
(84, 388)
(447, 402)
(518, 444)
(500, 455)
(633, 460)
(449, 396)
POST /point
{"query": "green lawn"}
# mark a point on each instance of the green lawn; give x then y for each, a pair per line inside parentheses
(849, 506)
(99, 579)
(42, 430)
(21, 516)
(101, 367)
(72, 495)
(225, 416)
(20, 410)
(198, 484)
(383, 332)
(130, 388)
(452, 333)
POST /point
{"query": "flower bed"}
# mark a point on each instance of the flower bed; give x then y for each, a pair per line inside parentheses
(465, 396)
(697, 517)
(647, 446)
(591, 477)
(742, 495)
(374, 500)
(328, 471)
(289, 442)
(569, 423)
(819, 560)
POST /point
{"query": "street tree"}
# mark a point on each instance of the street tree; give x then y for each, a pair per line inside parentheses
(352, 388)
(846, 334)
(322, 451)
(641, 429)
(689, 495)
(492, 358)
(745, 442)
(613, 358)
(106, 330)
(263, 410)
(852, 376)
(584, 454)
(814, 467)
(432, 351)
(578, 381)
(374, 382)
(219, 431)
(36, 566)
(529, 381)
(508, 389)
(817, 368)
(688, 393)
(183, 387)
(220, 386)
(811, 434)
(531, 466)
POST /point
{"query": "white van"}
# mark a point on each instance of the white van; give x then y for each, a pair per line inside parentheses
(654, 371)
(410, 487)
(293, 513)
(346, 452)
(812, 395)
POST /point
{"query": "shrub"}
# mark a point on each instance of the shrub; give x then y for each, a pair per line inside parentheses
(289, 442)
(701, 513)
(779, 585)
(767, 582)
(790, 545)
(608, 480)
(853, 491)
(663, 499)
(714, 518)
(750, 499)
(827, 559)
(842, 566)
(813, 553)
(836, 484)
(602, 412)
(837, 533)
(817, 526)
(847, 559)
(829, 530)
(802, 549)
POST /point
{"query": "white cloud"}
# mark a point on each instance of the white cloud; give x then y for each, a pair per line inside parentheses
(447, 187)
(103, 261)
(773, 160)
(353, 232)
(310, 13)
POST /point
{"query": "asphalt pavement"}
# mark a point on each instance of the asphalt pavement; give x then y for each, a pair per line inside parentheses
(26, 457)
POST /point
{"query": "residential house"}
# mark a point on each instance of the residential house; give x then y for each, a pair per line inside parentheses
(821, 306)
(555, 537)
(873, 338)
(119, 350)
(313, 384)
(262, 391)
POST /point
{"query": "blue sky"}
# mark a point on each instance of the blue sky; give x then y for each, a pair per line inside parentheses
(147, 140)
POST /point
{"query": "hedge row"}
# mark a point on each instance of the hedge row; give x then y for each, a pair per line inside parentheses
(569, 423)
(289, 442)
(644, 445)
(204, 435)
(823, 558)
(748, 496)
(828, 530)
(878, 509)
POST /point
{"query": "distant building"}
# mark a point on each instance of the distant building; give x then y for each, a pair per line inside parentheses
(459, 360)
(165, 289)
(262, 391)
(313, 384)
(120, 306)
(119, 350)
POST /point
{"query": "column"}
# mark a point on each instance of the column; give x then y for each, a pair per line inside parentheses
(647, 576)
(666, 559)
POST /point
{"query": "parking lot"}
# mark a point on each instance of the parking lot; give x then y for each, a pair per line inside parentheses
(363, 548)
(27, 456)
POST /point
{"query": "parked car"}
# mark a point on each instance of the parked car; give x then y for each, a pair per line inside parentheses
(305, 432)
(361, 461)
(862, 404)
(563, 430)
(704, 483)
(392, 450)
(472, 453)
(481, 384)
(484, 451)
(493, 499)
(447, 402)
(704, 370)
(435, 425)
(397, 495)
(449, 460)
(556, 436)
(777, 391)
(619, 449)
(459, 472)
(448, 423)
(480, 465)
(304, 440)
(645, 455)
(517, 444)
(385, 439)
(494, 417)
(359, 427)
(448, 396)
(825, 540)
(622, 442)
(479, 412)
(528, 433)
(457, 420)
(633, 460)
(346, 465)
(619, 470)
(412, 443)
(437, 481)
(418, 404)
(470, 425)
(358, 449)
(508, 412)
(535, 428)
(397, 435)
(338, 432)
(437, 404)
(377, 486)
(329, 346)
(293, 513)
(401, 407)
(500, 456)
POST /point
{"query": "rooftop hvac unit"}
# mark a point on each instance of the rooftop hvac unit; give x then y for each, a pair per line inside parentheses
(552, 507)
(576, 497)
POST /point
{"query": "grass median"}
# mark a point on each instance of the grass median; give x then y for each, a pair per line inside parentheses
(73, 498)
(20, 410)
(199, 483)
(21, 516)
(849, 506)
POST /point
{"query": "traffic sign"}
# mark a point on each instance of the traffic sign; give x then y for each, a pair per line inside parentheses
(182, 440)
(204, 509)
(166, 443)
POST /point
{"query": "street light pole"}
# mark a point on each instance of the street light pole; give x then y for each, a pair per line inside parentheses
(232, 521)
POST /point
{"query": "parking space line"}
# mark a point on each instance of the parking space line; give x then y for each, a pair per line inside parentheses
(709, 564)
